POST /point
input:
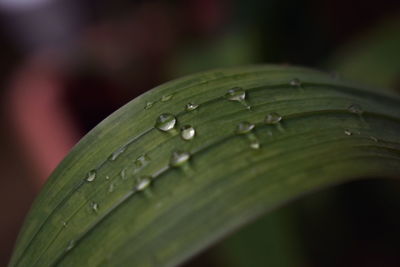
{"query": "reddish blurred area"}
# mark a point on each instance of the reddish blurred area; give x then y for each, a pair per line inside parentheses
(66, 65)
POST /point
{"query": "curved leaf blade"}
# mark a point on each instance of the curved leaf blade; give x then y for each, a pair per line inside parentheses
(331, 132)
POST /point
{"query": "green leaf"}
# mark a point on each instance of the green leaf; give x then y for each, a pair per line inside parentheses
(96, 209)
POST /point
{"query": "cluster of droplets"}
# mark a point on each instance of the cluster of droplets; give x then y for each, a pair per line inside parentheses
(164, 98)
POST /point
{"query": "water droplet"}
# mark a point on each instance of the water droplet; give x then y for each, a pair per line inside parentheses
(356, 109)
(117, 153)
(191, 106)
(178, 158)
(71, 245)
(142, 161)
(255, 144)
(94, 206)
(273, 118)
(149, 105)
(188, 132)
(165, 122)
(295, 82)
(373, 138)
(236, 94)
(142, 183)
(166, 98)
(123, 174)
(244, 127)
(91, 176)
(64, 224)
(347, 132)
(111, 187)
(107, 177)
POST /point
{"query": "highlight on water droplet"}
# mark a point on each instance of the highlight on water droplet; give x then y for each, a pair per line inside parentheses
(191, 106)
(123, 174)
(91, 176)
(188, 132)
(178, 158)
(255, 144)
(273, 118)
(142, 182)
(244, 127)
(236, 94)
(149, 105)
(356, 109)
(165, 122)
(166, 98)
(117, 153)
(295, 82)
(347, 132)
(70, 245)
(94, 206)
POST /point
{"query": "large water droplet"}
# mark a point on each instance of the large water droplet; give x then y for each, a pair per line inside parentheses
(178, 158)
(166, 98)
(94, 206)
(142, 183)
(91, 176)
(273, 118)
(188, 132)
(149, 105)
(236, 94)
(191, 106)
(356, 109)
(165, 122)
(71, 245)
(117, 153)
(244, 127)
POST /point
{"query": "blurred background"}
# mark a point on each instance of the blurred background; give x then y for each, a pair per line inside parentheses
(67, 64)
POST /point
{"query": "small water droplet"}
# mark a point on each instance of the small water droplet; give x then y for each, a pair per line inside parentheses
(178, 158)
(94, 206)
(244, 127)
(107, 177)
(347, 132)
(91, 176)
(111, 188)
(255, 144)
(71, 245)
(142, 161)
(356, 109)
(64, 224)
(117, 153)
(166, 98)
(123, 174)
(295, 82)
(373, 138)
(188, 132)
(191, 106)
(142, 183)
(149, 105)
(236, 94)
(273, 118)
(165, 122)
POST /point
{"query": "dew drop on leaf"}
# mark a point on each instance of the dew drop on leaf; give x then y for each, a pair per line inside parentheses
(188, 132)
(236, 94)
(94, 206)
(117, 153)
(71, 245)
(273, 118)
(347, 132)
(255, 144)
(356, 109)
(149, 105)
(295, 82)
(166, 98)
(178, 158)
(244, 127)
(91, 176)
(142, 183)
(165, 122)
(191, 106)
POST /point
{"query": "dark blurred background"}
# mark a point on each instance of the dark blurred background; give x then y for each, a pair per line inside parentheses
(67, 64)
